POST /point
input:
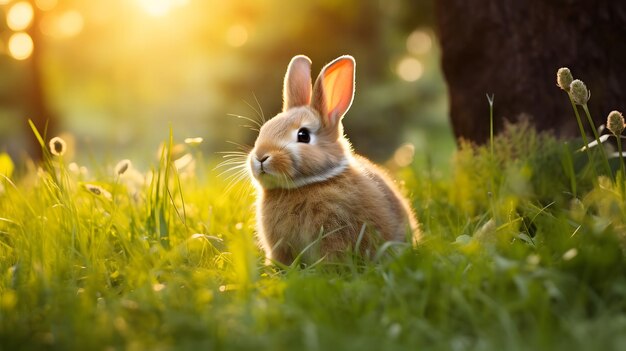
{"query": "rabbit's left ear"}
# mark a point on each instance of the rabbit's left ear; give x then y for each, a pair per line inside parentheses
(334, 89)
(297, 84)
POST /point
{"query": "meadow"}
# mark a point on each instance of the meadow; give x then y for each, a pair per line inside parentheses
(523, 248)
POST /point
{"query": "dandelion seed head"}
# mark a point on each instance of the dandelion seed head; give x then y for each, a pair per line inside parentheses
(564, 78)
(122, 167)
(57, 146)
(615, 123)
(578, 91)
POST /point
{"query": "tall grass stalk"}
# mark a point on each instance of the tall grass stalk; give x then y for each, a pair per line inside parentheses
(492, 185)
(581, 128)
(568, 166)
(490, 99)
(599, 144)
(622, 175)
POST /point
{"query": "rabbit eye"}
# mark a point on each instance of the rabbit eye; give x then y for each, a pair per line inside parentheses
(304, 136)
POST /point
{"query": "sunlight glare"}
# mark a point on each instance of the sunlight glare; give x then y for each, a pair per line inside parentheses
(20, 16)
(20, 46)
(160, 8)
(4, 2)
(410, 69)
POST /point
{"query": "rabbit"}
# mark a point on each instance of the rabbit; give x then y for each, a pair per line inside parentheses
(314, 195)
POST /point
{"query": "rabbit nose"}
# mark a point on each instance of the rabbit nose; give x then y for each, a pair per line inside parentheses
(263, 158)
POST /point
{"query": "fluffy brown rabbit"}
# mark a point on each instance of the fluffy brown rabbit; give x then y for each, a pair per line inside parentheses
(314, 195)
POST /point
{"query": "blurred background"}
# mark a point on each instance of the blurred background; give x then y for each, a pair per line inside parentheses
(112, 76)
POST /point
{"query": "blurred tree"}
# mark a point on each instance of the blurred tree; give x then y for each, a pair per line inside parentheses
(514, 49)
(37, 108)
(109, 68)
(23, 96)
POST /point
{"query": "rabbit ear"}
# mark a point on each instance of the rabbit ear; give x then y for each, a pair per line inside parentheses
(334, 89)
(297, 84)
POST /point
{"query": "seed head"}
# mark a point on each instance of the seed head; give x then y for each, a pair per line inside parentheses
(57, 146)
(564, 78)
(98, 191)
(615, 123)
(579, 92)
(122, 167)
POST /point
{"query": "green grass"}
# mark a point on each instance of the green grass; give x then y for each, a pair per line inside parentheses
(523, 249)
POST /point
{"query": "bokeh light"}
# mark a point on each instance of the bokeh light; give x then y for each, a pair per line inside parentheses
(419, 42)
(70, 23)
(67, 25)
(20, 46)
(404, 155)
(237, 35)
(46, 5)
(410, 69)
(20, 16)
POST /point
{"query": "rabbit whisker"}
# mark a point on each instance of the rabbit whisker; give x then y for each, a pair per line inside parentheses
(241, 147)
(258, 112)
(261, 115)
(236, 179)
(232, 153)
(230, 162)
(257, 123)
(236, 170)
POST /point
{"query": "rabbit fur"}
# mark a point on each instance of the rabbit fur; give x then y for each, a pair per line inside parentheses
(314, 195)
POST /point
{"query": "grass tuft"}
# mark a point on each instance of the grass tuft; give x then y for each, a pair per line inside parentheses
(167, 260)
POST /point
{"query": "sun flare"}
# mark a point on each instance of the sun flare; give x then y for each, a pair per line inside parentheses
(160, 8)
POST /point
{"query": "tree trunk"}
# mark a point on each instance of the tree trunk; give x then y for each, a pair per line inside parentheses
(37, 108)
(514, 48)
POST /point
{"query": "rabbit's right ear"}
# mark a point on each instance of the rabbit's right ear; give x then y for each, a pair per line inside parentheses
(297, 84)
(334, 90)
